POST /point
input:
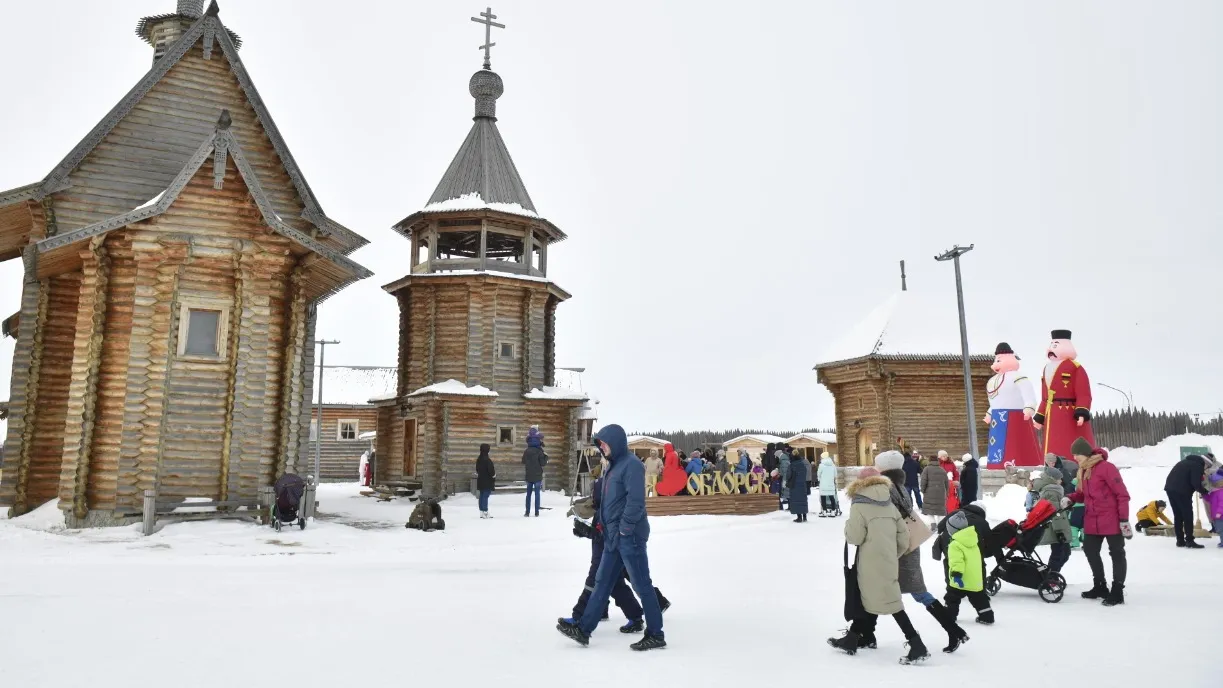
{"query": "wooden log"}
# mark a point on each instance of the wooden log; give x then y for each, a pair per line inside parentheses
(722, 505)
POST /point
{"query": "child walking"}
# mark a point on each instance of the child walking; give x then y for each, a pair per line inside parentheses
(965, 569)
(1214, 502)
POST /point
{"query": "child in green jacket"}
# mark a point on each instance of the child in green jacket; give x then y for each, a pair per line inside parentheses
(965, 567)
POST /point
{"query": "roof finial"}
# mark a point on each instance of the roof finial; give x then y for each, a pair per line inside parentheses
(488, 23)
(191, 8)
(224, 121)
(904, 286)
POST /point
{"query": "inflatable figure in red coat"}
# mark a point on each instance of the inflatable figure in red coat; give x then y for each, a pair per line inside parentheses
(1065, 398)
(674, 478)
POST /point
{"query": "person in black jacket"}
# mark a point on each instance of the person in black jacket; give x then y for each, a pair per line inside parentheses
(913, 479)
(1184, 479)
(533, 460)
(970, 481)
(486, 478)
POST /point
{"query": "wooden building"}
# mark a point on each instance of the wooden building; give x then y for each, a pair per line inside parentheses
(174, 261)
(899, 375)
(755, 444)
(814, 445)
(642, 444)
(477, 328)
(348, 413)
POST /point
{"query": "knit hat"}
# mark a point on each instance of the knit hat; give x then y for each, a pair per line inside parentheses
(957, 522)
(868, 472)
(1054, 474)
(966, 457)
(890, 461)
(1051, 457)
(1080, 447)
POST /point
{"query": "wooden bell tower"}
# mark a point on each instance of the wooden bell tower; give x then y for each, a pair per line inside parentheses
(477, 321)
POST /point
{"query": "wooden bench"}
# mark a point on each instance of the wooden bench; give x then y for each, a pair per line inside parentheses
(255, 509)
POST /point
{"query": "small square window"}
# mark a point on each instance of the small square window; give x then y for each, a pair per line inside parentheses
(347, 430)
(505, 435)
(203, 332)
(508, 350)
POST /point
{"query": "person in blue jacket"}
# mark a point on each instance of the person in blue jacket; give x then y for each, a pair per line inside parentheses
(620, 591)
(743, 468)
(627, 530)
(695, 466)
(912, 470)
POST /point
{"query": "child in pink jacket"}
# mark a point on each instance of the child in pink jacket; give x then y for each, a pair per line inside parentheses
(1214, 502)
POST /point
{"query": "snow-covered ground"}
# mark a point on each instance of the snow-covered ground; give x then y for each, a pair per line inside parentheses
(356, 599)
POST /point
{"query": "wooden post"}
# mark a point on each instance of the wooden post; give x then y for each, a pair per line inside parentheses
(267, 502)
(150, 511)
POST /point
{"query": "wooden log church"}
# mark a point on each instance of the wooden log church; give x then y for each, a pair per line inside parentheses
(174, 261)
(477, 323)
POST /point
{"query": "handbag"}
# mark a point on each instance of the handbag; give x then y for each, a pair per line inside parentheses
(853, 595)
(1078, 516)
(919, 532)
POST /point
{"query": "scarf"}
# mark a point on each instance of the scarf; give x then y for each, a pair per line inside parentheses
(1085, 468)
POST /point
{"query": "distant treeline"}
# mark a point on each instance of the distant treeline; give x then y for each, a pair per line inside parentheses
(686, 440)
(1141, 428)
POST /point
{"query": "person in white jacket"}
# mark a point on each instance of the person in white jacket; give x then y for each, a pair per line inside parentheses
(827, 475)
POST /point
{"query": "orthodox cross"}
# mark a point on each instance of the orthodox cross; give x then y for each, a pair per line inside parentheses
(488, 23)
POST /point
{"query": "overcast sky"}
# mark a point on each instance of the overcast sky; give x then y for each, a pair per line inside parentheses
(739, 180)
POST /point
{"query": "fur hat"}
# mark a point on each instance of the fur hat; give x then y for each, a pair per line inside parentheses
(890, 461)
(957, 522)
(1080, 447)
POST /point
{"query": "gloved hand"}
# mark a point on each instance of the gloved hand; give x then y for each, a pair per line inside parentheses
(581, 529)
(1066, 502)
(1126, 530)
(958, 579)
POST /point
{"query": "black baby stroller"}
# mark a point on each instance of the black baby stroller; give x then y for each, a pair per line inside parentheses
(287, 507)
(1014, 547)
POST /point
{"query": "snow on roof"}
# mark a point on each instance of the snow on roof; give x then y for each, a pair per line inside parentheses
(824, 437)
(634, 439)
(910, 323)
(456, 388)
(571, 379)
(556, 393)
(473, 201)
(763, 439)
(372, 434)
(355, 386)
(153, 201)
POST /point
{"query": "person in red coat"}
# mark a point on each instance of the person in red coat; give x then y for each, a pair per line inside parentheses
(1065, 398)
(674, 478)
(1107, 518)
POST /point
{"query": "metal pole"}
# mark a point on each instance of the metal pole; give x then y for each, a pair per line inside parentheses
(954, 256)
(318, 435)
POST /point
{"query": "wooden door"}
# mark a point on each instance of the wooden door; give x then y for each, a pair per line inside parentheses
(409, 448)
(864, 448)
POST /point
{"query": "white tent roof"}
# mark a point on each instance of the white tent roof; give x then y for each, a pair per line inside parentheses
(825, 437)
(633, 439)
(764, 439)
(354, 386)
(912, 324)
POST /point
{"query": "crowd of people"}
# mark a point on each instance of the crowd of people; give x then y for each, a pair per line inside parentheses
(1086, 505)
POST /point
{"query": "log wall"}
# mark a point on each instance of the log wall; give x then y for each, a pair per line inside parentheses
(58, 339)
(340, 460)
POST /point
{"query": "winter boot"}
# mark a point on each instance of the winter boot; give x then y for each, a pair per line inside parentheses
(573, 632)
(634, 626)
(1116, 596)
(798, 519)
(917, 651)
(649, 642)
(986, 618)
(955, 635)
(866, 641)
(1098, 591)
(663, 605)
(847, 643)
(1193, 544)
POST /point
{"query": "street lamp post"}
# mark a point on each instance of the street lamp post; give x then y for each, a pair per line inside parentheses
(954, 256)
(318, 434)
(1129, 398)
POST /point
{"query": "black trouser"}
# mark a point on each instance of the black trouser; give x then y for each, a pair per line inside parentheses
(1144, 524)
(978, 599)
(1182, 515)
(1058, 556)
(866, 624)
(1116, 551)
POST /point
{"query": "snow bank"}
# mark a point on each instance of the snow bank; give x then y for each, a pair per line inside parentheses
(1164, 454)
(455, 387)
(47, 518)
(555, 394)
(1007, 503)
(473, 201)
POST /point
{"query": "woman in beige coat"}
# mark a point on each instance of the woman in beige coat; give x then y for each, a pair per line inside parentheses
(653, 471)
(878, 531)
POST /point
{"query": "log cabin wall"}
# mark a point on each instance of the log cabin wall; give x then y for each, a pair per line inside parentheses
(339, 458)
(55, 377)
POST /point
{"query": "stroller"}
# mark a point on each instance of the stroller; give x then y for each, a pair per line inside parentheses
(1014, 547)
(287, 507)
